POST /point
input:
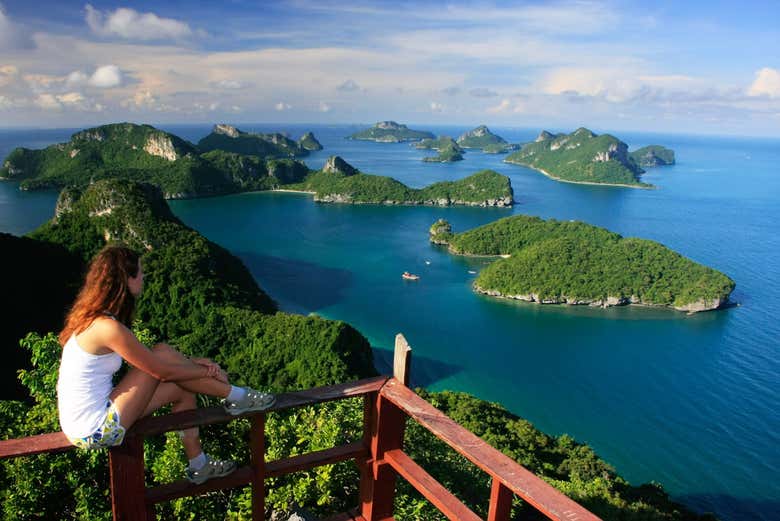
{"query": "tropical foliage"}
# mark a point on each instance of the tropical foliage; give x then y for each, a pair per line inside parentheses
(141, 153)
(391, 132)
(581, 156)
(574, 262)
(478, 188)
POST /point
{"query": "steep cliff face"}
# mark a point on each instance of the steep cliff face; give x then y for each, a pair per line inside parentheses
(225, 130)
(161, 145)
(336, 165)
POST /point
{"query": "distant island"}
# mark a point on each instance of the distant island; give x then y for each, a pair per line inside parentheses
(653, 155)
(559, 262)
(581, 157)
(273, 145)
(339, 182)
(144, 153)
(483, 139)
(390, 132)
(448, 148)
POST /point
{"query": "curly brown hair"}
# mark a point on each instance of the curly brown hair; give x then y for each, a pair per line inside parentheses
(105, 290)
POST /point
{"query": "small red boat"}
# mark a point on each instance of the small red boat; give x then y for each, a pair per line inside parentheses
(410, 276)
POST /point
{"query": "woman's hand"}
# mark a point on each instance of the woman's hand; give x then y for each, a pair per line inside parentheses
(214, 370)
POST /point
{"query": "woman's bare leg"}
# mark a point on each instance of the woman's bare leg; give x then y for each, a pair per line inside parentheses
(139, 394)
(209, 386)
(181, 400)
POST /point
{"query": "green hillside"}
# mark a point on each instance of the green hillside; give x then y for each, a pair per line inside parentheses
(139, 153)
(273, 145)
(390, 132)
(581, 157)
(553, 262)
(653, 155)
(485, 188)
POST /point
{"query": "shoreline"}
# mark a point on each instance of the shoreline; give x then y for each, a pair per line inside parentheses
(548, 174)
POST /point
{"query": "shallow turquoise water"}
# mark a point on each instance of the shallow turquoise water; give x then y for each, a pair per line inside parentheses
(691, 402)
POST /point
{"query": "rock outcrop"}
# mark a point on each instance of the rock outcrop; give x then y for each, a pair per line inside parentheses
(226, 130)
(336, 165)
(161, 145)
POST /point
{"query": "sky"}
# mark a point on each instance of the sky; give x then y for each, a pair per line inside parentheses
(695, 66)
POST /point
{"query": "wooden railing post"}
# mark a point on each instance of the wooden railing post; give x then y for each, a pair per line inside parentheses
(500, 502)
(257, 441)
(386, 423)
(128, 491)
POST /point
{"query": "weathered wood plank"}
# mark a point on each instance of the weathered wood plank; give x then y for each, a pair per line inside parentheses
(500, 502)
(315, 459)
(31, 445)
(521, 481)
(402, 359)
(257, 450)
(153, 425)
(440, 497)
(126, 466)
(183, 488)
(244, 475)
(378, 485)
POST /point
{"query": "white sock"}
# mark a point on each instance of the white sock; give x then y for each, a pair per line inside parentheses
(198, 461)
(236, 394)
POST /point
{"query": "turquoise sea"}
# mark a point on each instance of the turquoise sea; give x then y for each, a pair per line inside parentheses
(692, 402)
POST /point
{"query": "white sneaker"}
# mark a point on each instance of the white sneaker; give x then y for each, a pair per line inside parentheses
(211, 469)
(252, 401)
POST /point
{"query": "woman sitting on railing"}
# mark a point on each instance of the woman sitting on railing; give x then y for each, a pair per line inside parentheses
(97, 337)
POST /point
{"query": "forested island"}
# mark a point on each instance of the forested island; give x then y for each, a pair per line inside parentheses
(653, 155)
(144, 153)
(449, 150)
(581, 157)
(483, 139)
(558, 262)
(339, 182)
(202, 298)
(230, 139)
(391, 132)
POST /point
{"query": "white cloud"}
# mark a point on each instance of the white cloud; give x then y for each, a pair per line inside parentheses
(140, 100)
(76, 78)
(502, 107)
(106, 77)
(68, 100)
(767, 83)
(324, 107)
(11, 36)
(230, 84)
(282, 106)
(8, 75)
(436, 107)
(130, 24)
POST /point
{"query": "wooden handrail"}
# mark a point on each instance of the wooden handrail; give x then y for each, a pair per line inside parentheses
(379, 455)
(527, 485)
(153, 425)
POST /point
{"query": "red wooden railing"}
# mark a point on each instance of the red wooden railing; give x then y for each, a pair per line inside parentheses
(388, 402)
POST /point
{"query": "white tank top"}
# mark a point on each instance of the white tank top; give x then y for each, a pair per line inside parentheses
(83, 387)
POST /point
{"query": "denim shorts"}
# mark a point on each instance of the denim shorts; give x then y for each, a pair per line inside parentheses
(109, 434)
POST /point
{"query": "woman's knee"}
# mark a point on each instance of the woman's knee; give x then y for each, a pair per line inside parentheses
(166, 351)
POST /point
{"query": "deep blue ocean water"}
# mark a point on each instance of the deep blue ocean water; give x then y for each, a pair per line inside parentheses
(692, 402)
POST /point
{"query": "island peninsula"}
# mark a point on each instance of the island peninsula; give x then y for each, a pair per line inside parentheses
(339, 182)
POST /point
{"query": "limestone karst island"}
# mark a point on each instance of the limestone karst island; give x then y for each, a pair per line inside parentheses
(585, 157)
